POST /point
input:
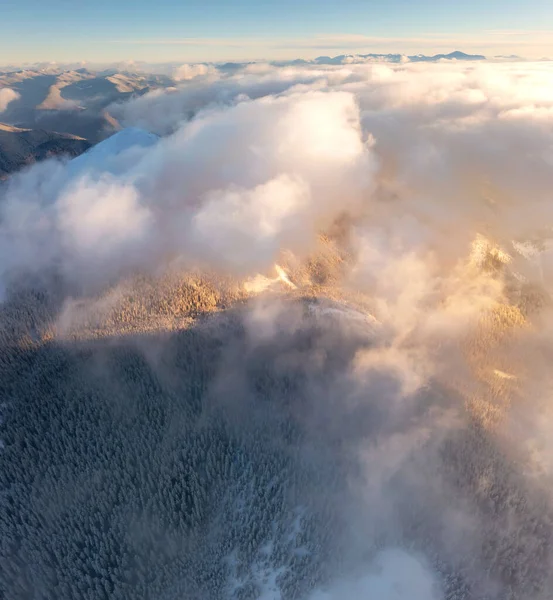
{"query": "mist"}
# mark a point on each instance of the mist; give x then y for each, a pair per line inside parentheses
(292, 326)
(7, 95)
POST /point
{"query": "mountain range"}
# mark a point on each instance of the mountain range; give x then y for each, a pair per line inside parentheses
(21, 147)
(63, 112)
(72, 101)
(395, 58)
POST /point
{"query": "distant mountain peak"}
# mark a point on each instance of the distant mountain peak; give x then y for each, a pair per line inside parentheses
(457, 54)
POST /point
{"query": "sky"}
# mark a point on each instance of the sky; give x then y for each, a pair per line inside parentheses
(213, 30)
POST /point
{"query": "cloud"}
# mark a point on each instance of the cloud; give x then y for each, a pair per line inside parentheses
(269, 156)
(162, 112)
(396, 576)
(188, 72)
(263, 174)
(410, 208)
(7, 95)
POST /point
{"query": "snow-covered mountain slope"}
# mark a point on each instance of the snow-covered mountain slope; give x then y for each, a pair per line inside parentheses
(103, 157)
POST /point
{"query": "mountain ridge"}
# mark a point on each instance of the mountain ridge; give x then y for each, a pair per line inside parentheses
(20, 147)
(397, 58)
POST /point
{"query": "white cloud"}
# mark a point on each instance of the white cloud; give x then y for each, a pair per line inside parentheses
(394, 575)
(7, 95)
(452, 144)
(187, 72)
(231, 189)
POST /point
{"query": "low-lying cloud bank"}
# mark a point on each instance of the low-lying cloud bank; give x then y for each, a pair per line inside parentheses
(229, 190)
(7, 95)
(424, 390)
(264, 160)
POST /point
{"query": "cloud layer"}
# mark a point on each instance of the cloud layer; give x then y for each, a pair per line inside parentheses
(230, 190)
(268, 157)
(427, 385)
(7, 95)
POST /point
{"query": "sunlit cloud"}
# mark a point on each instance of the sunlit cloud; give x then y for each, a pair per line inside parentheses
(7, 95)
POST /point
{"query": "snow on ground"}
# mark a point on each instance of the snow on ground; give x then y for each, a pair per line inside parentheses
(100, 158)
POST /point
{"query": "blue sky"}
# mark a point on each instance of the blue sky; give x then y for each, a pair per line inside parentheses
(196, 30)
